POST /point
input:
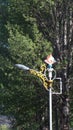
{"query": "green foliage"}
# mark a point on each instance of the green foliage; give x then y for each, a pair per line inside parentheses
(5, 127)
(26, 46)
(21, 42)
(27, 27)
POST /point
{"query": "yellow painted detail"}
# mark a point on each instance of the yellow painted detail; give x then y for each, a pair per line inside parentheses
(47, 83)
(42, 68)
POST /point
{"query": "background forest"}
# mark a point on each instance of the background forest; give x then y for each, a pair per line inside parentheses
(29, 31)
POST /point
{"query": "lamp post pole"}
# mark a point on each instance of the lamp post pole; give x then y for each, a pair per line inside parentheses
(50, 108)
(49, 61)
(50, 101)
(50, 79)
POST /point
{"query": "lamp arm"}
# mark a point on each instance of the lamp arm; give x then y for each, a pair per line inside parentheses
(47, 83)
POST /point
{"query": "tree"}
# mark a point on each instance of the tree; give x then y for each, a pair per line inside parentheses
(25, 44)
(28, 27)
(60, 15)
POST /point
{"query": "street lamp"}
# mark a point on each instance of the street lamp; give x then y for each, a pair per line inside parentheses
(47, 77)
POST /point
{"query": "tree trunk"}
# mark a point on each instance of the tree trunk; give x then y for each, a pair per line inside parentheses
(65, 107)
(63, 42)
(56, 119)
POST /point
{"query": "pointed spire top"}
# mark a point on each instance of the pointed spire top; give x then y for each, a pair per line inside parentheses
(50, 59)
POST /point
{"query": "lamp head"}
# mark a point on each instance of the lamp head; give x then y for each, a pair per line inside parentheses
(23, 67)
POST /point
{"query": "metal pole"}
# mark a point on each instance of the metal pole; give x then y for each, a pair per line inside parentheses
(50, 108)
(50, 99)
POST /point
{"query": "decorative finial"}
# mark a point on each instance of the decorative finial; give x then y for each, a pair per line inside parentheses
(50, 60)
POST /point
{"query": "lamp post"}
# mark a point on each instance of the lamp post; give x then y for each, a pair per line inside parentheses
(47, 77)
(50, 60)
